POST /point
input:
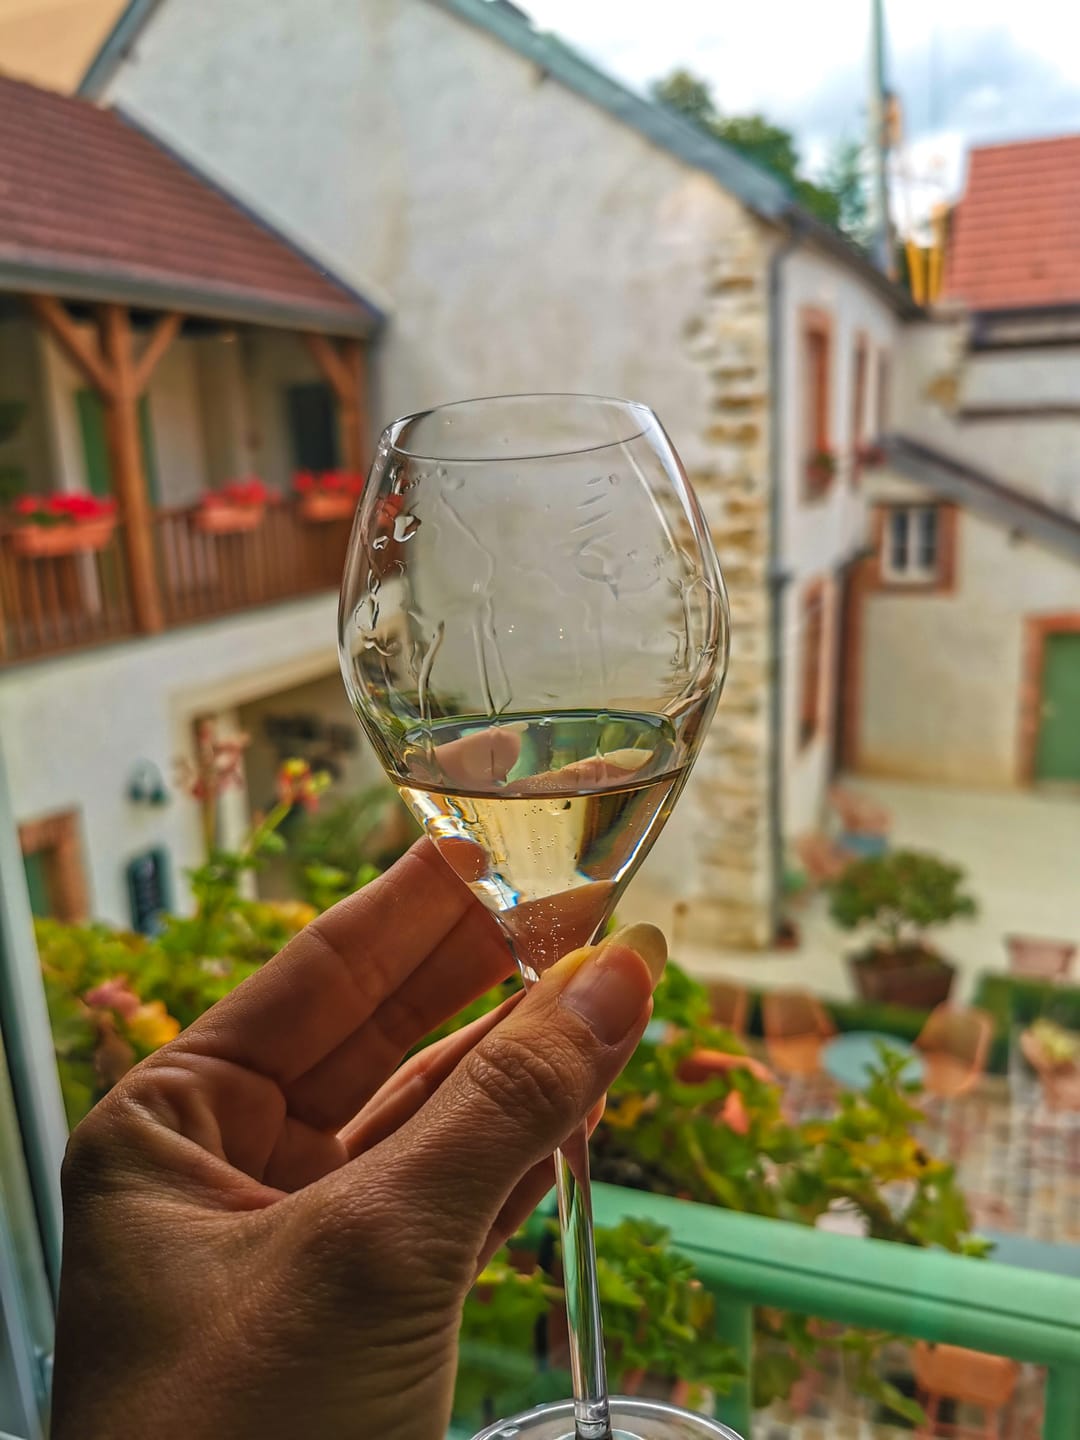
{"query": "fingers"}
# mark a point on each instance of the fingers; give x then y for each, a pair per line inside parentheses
(331, 979)
(529, 1083)
(417, 1080)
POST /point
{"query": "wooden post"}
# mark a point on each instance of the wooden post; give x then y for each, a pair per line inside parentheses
(126, 462)
(112, 369)
(344, 371)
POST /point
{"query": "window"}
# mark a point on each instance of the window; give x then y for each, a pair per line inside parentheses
(52, 859)
(911, 545)
(819, 462)
(313, 428)
(858, 408)
(813, 639)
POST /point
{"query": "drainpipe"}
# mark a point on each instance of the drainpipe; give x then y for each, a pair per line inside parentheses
(778, 578)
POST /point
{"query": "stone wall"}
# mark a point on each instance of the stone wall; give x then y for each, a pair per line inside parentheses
(731, 787)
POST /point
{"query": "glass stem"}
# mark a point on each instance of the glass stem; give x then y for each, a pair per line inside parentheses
(592, 1419)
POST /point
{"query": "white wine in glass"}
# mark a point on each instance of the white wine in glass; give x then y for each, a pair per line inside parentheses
(534, 633)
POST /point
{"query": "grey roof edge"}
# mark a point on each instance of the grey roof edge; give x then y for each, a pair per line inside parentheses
(757, 189)
(97, 283)
(114, 47)
(994, 499)
(376, 315)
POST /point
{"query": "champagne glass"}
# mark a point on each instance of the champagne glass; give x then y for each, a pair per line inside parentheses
(533, 633)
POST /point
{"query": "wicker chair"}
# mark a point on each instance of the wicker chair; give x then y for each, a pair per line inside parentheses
(728, 1003)
(955, 1045)
(797, 1029)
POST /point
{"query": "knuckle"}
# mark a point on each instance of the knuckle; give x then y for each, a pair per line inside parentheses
(545, 1087)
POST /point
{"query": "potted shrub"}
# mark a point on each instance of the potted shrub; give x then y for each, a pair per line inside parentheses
(235, 508)
(820, 470)
(900, 896)
(50, 525)
(329, 496)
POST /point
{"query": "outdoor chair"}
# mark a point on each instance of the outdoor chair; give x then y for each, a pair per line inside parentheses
(797, 1029)
(728, 1004)
(955, 1046)
(821, 858)
(966, 1377)
(858, 814)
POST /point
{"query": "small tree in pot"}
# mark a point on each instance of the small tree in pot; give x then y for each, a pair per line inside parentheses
(901, 895)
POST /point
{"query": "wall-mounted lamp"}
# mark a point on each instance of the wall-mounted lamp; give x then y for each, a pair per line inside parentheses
(147, 785)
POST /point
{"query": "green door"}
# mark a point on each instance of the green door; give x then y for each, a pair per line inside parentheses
(1057, 756)
(96, 448)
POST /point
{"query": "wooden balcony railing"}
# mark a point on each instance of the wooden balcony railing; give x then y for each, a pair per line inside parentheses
(59, 602)
(53, 604)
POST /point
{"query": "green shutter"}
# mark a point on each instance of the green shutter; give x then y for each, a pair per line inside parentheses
(96, 449)
(1058, 754)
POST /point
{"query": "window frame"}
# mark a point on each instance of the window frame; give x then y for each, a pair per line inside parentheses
(939, 579)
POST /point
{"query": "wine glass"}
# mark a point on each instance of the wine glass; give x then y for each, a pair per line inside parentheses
(533, 633)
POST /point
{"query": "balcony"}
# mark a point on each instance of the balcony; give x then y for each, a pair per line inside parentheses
(52, 604)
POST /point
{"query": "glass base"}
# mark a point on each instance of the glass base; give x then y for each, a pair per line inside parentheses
(631, 1419)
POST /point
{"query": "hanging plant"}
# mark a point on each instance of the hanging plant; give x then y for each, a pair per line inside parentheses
(51, 525)
(331, 495)
(236, 507)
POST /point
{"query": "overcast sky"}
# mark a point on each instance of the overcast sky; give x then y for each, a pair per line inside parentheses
(967, 71)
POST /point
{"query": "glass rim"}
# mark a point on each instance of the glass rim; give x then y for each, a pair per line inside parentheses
(642, 413)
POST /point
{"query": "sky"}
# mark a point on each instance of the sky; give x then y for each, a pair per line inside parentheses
(967, 71)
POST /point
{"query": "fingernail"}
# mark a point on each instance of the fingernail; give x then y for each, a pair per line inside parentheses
(648, 942)
(610, 992)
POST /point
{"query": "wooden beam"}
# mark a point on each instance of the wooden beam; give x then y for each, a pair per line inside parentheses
(165, 332)
(126, 462)
(352, 412)
(344, 371)
(82, 353)
(325, 354)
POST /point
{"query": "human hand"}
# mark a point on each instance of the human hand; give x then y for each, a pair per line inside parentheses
(269, 1233)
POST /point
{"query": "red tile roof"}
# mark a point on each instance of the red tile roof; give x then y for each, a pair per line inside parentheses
(1016, 233)
(91, 207)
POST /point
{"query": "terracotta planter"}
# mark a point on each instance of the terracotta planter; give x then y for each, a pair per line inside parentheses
(915, 979)
(320, 509)
(40, 542)
(228, 519)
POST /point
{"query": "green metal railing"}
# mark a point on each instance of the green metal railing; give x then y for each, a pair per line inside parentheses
(746, 1260)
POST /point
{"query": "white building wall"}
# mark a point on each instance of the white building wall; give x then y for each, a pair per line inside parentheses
(940, 675)
(73, 729)
(818, 537)
(937, 381)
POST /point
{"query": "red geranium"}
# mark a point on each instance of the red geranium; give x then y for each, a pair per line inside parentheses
(329, 482)
(249, 491)
(66, 509)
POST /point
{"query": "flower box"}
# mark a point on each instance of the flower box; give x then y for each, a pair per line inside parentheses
(329, 496)
(321, 508)
(43, 542)
(234, 509)
(226, 519)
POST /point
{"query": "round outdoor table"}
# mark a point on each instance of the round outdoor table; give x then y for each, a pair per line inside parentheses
(849, 1057)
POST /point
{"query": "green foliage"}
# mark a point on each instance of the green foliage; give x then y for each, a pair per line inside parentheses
(338, 849)
(767, 145)
(657, 1318)
(901, 894)
(1016, 1003)
(844, 177)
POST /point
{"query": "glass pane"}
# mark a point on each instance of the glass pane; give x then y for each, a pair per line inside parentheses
(898, 540)
(927, 539)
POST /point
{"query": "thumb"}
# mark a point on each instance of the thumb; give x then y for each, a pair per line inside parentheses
(528, 1084)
